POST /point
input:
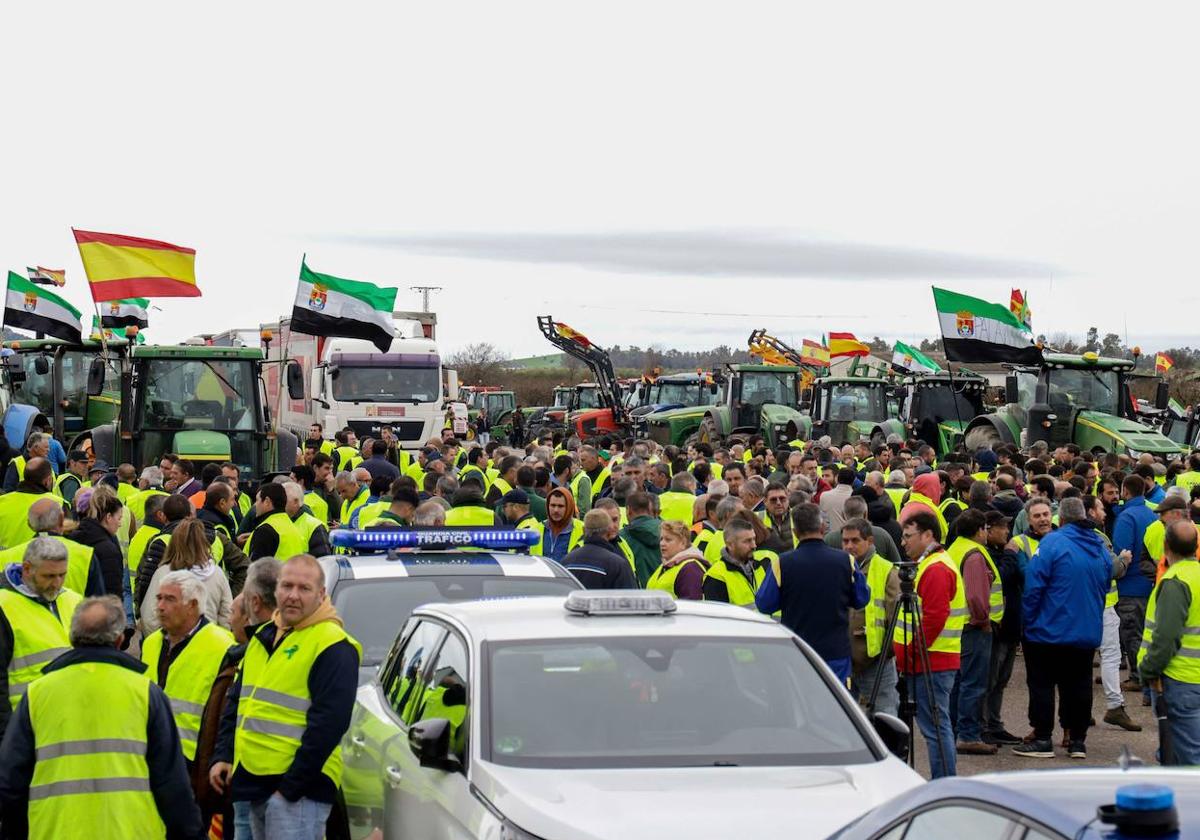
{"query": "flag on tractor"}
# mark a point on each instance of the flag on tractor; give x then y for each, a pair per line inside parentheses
(46, 276)
(1163, 363)
(333, 306)
(815, 354)
(911, 359)
(974, 330)
(28, 306)
(574, 335)
(120, 267)
(111, 333)
(845, 344)
(1018, 305)
(130, 312)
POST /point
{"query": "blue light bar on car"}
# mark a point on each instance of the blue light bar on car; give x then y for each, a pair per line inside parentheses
(386, 539)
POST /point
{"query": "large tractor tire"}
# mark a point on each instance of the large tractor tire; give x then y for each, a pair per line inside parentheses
(981, 436)
(708, 432)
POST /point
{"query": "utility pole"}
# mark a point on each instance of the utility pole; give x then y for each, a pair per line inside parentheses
(425, 290)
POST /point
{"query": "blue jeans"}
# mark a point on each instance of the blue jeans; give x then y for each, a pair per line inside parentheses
(970, 689)
(941, 762)
(1183, 713)
(841, 669)
(888, 699)
(278, 819)
(241, 822)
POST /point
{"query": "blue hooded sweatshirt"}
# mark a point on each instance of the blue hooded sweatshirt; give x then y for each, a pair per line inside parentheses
(1065, 584)
(1128, 532)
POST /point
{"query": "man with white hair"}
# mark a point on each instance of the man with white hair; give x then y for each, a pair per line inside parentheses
(354, 493)
(184, 655)
(430, 514)
(312, 529)
(150, 484)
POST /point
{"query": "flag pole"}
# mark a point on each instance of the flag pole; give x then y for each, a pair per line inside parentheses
(950, 373)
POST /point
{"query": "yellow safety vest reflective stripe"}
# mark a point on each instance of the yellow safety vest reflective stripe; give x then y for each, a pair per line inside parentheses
(1185, 665)
(959, 551)
(91, 769)
(879, 568)
(950, 639)
(190, 677)
(274, 700)
(39, 636)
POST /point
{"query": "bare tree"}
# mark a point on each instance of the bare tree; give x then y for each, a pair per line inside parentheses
(477, 363)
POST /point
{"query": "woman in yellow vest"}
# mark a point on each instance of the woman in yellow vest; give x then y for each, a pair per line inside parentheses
(683, 566)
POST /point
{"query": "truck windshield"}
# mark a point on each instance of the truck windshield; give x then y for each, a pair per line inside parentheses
(197, 394)
(683, 393)
(760, 388)
(1084, 388)
(855, 402)
(387, 377)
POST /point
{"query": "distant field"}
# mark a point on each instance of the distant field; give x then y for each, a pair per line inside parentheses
(550, 360)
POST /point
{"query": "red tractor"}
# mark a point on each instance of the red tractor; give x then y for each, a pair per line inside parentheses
(607, 412)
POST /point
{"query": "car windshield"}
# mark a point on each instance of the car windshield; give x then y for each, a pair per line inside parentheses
(760, 388)
(387, 377)
(939, 402)
(375, 609)
(855, 402)
(631, 702)
(1084, 388)
(685, 394)
(185, 393)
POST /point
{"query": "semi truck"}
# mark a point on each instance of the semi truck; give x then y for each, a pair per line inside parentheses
(350, 384)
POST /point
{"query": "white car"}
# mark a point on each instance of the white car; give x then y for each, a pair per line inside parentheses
(615, 715)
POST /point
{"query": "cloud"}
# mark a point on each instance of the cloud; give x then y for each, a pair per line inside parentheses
(732, 252)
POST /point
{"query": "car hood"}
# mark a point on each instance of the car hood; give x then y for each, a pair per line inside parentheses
(697, 803)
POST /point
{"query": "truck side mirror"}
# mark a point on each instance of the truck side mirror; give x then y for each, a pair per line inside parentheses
(1162, 395)
(451, 385)
(1011, 392)
(316, 383)
(95, 380)
(295, 380)
(41, 365)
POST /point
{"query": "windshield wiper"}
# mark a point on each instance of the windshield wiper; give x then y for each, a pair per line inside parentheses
(224, 381)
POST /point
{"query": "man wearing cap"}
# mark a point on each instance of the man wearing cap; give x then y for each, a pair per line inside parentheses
(73, 477)
(514, 509)
(1006, 633)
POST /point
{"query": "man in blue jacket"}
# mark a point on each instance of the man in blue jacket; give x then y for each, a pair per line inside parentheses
(1063, 612)
(1133, 590)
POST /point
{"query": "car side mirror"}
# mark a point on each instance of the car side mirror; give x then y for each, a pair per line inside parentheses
(295, 380)
(1162, 395)
(430, 742)
(95, 380)
(1011, 392)
(41, 365)
(893, 732)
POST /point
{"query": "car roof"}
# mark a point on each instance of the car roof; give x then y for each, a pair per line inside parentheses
(400, 564)
(546, 618)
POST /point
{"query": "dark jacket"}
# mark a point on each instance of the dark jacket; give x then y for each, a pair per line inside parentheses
(215, 518)
(379, 465)
(164, 756)
(107, 552)
(816, 588)
(641, 534)
(596, 565)
(1012, 582)
(1065, 584)
(1008, 503)
(332, 683)
(318, 543)
(157, 549)
(209, 800)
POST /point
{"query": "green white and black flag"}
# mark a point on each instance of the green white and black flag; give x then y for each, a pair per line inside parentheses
(331, 306)
(974, 330)
(35, 308)
(129, 312)
(912, 360)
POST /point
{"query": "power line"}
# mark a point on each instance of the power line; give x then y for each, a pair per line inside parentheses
(425, 290)
(772, 315)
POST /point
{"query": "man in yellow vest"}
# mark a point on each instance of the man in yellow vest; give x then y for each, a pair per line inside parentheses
(943, 612)
(35, 616)
(1169, 657)
(84, 575)
(316, 439)
(275, 535)
(110, 766)
(37, 484)
(735, 575)
(72, 478)
(468, 508)
(679, 502)
(867, 626)
(36, 447)
(568, 474)
(288, 710)
(353, 493)
(312, 530)
(184, 655)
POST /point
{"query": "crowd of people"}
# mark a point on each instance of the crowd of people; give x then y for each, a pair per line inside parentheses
(166, 594)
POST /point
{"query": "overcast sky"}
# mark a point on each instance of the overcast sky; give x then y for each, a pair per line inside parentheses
(649, 172)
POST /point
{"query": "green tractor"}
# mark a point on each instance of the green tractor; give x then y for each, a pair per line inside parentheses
(851, 408)
(1085, 400)
(939, 407)
(204, 403)
(755, 399)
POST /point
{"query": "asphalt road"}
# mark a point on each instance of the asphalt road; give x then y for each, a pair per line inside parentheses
(1104, 742)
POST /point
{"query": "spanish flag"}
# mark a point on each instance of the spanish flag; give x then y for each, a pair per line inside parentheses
(845, 344)
(127, 267)
(814, 354)
(566, 332)
(1163, 363)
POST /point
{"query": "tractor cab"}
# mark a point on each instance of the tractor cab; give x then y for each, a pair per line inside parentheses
(938, 408)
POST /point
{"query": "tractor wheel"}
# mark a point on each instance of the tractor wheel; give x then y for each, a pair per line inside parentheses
(708, 432)
(981, 436)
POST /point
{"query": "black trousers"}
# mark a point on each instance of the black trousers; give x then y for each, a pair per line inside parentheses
(1067, 670)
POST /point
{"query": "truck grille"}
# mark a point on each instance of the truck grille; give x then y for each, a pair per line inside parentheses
(405, 430)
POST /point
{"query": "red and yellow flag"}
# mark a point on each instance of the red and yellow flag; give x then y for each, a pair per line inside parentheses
(845, 344)
(1163, 363)
(566, 332)
(812, 353)
(126, 266)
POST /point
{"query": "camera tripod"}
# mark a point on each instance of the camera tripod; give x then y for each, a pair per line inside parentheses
(908, 607)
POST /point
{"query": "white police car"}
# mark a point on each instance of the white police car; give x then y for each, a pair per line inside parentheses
(396, 571)
(620, 715)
